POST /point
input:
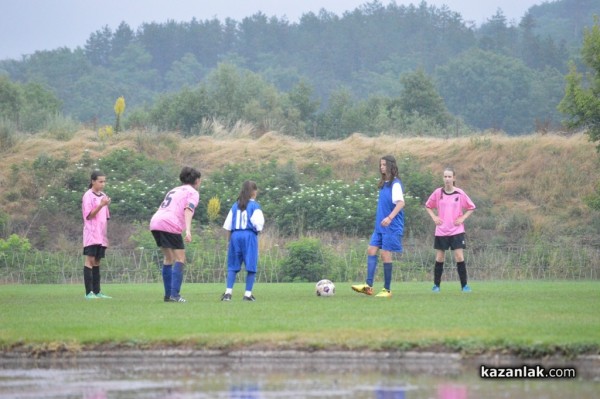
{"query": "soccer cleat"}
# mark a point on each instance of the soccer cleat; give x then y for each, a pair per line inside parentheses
(436, 288)
(384, 294)
(91, 295)
(177, 299)
(249, 298)
(226, 297)
(167, 299)
(466, 288)
(102, 296)
(363, 289)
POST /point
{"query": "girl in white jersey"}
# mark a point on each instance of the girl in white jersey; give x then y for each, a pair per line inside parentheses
(450, 202)
(173, 217)
(243, 223)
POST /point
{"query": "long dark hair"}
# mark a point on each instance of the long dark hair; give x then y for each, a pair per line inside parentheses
(95, 175)
(248, 188)
(189, 175)
(391, 170)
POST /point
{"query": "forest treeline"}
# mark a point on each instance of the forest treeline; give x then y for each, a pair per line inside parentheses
(394, 69)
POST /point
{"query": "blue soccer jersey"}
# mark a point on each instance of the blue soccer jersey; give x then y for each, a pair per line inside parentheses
(244, 227)
(389, 196)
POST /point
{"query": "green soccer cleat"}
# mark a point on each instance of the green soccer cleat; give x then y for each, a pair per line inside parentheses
(363, 289)
(102, 296)
(466, 288)
(91, 295)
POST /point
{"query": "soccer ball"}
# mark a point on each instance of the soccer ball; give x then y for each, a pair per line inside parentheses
(325, 288)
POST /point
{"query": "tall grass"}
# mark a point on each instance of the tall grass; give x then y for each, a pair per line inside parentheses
(347, 264)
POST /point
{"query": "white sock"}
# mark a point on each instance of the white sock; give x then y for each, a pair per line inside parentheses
(229, 291)
(248, 293)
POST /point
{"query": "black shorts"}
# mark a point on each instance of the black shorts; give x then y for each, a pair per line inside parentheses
(168, 240)
(97, 251)
(450, 242)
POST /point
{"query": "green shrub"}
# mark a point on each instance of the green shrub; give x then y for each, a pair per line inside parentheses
(307, 261)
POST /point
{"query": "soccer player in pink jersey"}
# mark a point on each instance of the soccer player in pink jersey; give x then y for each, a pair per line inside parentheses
(450, 202)
(173, 217)
(94, 207)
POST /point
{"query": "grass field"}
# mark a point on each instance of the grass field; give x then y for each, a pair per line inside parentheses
(531, 318)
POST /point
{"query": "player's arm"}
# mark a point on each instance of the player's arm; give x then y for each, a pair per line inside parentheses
(464, 217)
(227, 225)
(188, 214)
(436, 219)
(103, 202)
(258, 220)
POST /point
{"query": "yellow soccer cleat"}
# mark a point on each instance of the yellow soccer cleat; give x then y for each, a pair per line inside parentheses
(363, 289)
(384, 294)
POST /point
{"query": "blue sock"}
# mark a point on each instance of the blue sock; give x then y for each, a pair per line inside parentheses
(371, 268)
(167, 272)
(177, 279)
(250, 280)
(231, 278)
(387, 275)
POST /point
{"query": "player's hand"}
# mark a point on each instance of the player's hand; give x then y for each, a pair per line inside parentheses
(188, 236)
(105, 201)
(437, 220)
(386, 221)
(459, 221)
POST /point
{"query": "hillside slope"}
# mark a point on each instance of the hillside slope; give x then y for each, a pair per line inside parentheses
(539, 180)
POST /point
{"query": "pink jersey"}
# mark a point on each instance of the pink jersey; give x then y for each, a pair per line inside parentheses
(94, 229)
(170, 216)
(449, 207)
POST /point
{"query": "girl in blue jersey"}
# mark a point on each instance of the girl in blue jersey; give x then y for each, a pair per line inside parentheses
(389, 227)
(243, 223)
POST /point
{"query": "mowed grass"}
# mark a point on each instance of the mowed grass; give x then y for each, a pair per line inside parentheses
(532, 318)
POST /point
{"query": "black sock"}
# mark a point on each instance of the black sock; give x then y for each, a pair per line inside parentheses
(87, 279)
(462, 272)
(437, 273)
(96, 279)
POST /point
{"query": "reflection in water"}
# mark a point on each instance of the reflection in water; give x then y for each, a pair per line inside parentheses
(452, 391)
(390, 393)
(163, 376)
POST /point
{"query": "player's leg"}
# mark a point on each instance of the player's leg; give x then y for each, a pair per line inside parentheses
(458, 245)
(167, 271)
(251, 263)
(177, 275)
(391, 243)
(372, 258)
(100, 253)
(440, 245)
(234, 265)
(87, 275)
(461, 268)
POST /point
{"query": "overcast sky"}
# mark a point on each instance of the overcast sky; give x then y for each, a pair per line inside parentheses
(30, 25)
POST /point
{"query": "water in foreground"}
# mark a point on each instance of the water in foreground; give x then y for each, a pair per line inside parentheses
(259, 374)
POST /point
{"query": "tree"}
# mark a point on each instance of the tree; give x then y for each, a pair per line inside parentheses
(581, 102)
(39, 105)
(421, 97)
(11, 100)
(489, 91)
